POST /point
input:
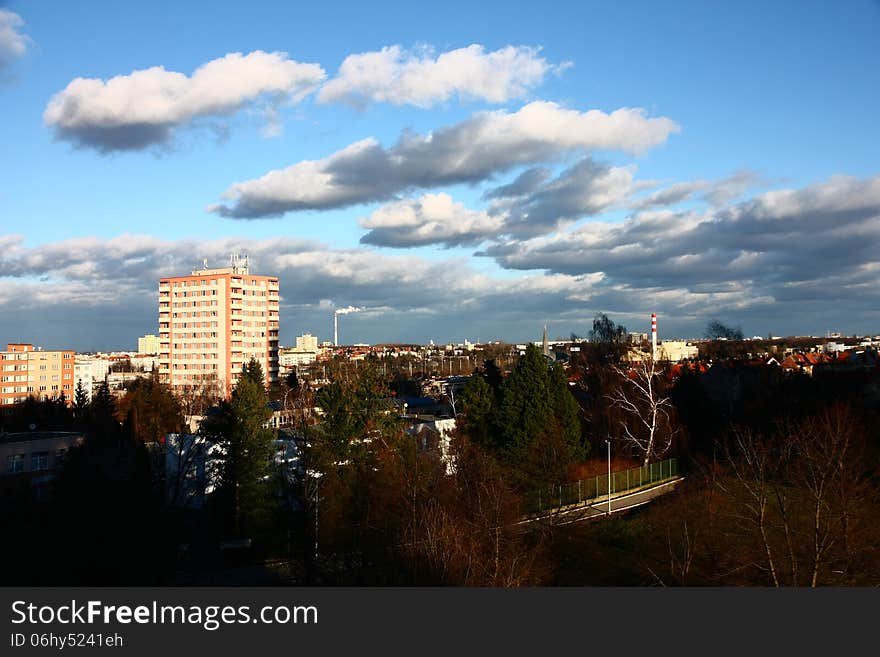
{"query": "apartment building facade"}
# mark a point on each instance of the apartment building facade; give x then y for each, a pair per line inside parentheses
(148, 344)
(26, 371)
(212, 322)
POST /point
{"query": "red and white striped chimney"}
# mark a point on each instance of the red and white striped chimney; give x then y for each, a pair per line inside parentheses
(654, 336)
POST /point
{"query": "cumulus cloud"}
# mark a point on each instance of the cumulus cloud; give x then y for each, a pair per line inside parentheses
(715, 192)
(468, 152)
(583, 190)
(530, 205)
(431, 219)
(13, 43)
(525, 183)
(784, 261)
(147, 107)
(779, 247)
(104, 290)
(403, 77)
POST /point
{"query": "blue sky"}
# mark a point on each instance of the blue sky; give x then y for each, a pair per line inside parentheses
(757, 137)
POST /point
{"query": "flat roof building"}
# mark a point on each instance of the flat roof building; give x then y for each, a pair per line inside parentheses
(212, 322)
(26, 371)
(148, 344)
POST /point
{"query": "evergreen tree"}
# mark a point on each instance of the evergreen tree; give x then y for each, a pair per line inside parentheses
(238, 427)
(80, 404)
(538, 418)
(478, 405)
(102, 422)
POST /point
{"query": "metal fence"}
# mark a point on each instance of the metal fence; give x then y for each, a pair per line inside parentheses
(596, 488)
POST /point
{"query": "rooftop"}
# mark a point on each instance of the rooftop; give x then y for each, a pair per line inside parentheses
(27, 436)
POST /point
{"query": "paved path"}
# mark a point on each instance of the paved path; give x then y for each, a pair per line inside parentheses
(599, 509)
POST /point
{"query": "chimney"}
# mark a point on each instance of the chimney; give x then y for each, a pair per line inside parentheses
(654, 336)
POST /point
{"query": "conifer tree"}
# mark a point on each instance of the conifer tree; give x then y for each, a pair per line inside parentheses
(244, 475)
(538, 421)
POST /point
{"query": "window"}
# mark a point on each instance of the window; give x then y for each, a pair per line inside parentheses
(39, 461)
(15, 463)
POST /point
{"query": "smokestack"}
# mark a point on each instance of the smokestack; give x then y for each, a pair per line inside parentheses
(336, 313)
(654, 336)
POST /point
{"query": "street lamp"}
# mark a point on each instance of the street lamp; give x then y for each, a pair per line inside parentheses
(608, 442)
(317, 477)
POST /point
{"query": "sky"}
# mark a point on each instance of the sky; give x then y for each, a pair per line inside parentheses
(458, 170)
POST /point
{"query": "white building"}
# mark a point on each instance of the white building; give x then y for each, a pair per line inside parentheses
(435, 435)
(677, 350)
(90, 370)
(307, 342)
(671, 351)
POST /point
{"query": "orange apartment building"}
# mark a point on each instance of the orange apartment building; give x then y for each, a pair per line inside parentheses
(212, 322)
(26, 371)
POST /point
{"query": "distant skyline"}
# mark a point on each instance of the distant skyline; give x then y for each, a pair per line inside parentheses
(459, 171)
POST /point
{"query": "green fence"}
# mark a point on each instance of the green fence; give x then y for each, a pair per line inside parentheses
(594, 488)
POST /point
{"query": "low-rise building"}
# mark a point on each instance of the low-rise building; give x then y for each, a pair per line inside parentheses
(29, 460)
(433, 435)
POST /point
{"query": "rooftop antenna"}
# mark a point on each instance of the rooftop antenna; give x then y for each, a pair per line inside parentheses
(239, 265)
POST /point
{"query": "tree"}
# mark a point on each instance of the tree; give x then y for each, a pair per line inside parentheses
(80, 403)
(149, 411)
(477, 403)
(238, 428)
(605, 330)
(801, 500)
(716, 330)
(610, 339)
(254, 371)
(538, 421)
(647, 425)
(343, 459)
(291, 381)
(102, 420)
(196, 398)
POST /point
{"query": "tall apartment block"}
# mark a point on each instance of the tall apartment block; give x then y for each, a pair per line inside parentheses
(212, 322)
(29, 372)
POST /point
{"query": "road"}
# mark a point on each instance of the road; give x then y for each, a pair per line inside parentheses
(600, 508)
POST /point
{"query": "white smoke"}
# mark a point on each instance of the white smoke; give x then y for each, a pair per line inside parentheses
(346, 311)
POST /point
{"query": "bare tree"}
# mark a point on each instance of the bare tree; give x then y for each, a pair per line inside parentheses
(647, 425)
(801, 500)
(750, 462)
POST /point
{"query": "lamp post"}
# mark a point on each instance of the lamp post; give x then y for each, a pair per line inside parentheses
(314, 474)
(608, 442)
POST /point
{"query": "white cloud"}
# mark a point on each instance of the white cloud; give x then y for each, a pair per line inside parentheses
(13, 43)
(146, 107)
(104, 290)
(397, 76)
(784, 261)
(431, 219)
(471, 151)
(771, 247)
(529, 206)
(715, 192)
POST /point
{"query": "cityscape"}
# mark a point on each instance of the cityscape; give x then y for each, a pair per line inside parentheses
(484, 297)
